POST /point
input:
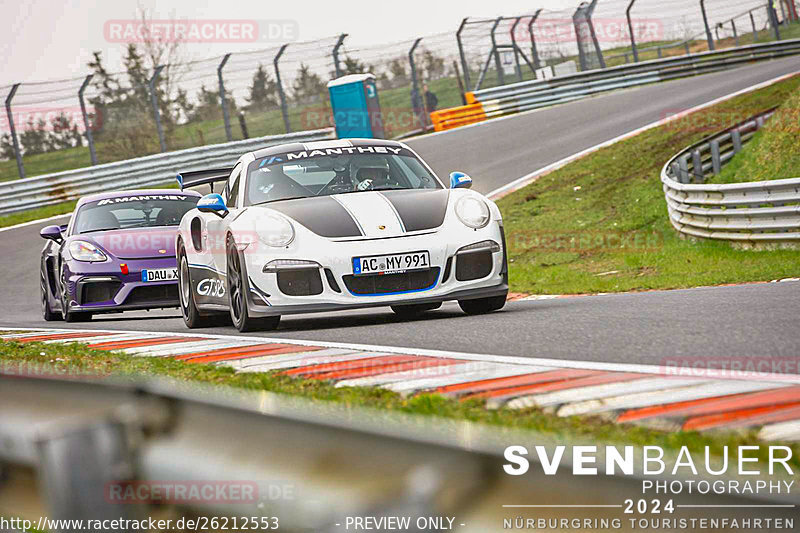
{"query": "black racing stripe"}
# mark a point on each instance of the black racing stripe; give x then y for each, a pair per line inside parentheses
(322, 214)
(419, 209)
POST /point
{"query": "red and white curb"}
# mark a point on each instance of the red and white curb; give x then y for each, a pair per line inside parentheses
(637, 394)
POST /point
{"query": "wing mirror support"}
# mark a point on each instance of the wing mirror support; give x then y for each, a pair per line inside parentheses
(213, 203)
(459, 180)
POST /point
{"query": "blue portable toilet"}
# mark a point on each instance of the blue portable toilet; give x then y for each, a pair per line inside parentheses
(356, 110)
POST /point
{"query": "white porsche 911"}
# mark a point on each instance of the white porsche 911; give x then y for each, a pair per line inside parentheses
(335, 225)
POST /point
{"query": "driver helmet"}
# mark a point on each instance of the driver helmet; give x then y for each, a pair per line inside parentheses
(372, 168)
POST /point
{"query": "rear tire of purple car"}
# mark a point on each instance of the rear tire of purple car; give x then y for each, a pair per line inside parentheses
(192, 316)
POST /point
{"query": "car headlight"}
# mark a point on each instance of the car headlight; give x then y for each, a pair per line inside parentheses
(275, 231)
(473, 212)
(86, 251)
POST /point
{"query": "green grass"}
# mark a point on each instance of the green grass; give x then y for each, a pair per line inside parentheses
(78, 360)
(600, 224)
(774, 151)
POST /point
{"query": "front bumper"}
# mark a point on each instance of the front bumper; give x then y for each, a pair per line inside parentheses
(102, 288)
(332, 286)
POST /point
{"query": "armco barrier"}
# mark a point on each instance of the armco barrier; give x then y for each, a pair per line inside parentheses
(524, 96)
(156, 169)
(754, 212)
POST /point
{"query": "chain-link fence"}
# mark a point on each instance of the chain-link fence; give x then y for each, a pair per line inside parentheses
(149, 108)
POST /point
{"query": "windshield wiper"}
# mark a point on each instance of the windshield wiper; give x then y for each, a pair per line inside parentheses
(282, 199)
(99, 229)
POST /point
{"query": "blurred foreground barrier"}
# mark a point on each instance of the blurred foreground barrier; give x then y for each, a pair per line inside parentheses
(49, 189)
(753, 212)
(524, 96)
(72, 449)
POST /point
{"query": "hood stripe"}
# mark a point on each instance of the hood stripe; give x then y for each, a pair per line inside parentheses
(419, 209)
(374, 214)
(391, 205)
(355, 219)
(321, 214)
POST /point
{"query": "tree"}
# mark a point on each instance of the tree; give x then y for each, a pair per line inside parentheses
(7, 147)
(263, 91)
(63, 133)
(434, 65)
(397, 68)
(34, 137)
(307, 86)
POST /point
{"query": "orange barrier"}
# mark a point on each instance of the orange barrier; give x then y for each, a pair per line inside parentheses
(454, 117)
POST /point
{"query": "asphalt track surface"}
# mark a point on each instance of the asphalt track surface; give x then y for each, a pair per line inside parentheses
(647, 328)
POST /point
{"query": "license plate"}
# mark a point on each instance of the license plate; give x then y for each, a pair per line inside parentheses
(160, 274)
(391, 263)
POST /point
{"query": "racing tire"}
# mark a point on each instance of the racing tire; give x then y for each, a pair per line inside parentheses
(412, 310)
(480, 306)
(48, 314)
(192, 316)
(237, 295)
(70, 316)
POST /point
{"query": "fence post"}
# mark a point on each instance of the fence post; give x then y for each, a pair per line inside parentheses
(630, 29)
(534, 52)
(709, 38)
(281, 93)
(583, 15)
(497, 65)
(89, 136)
(17, 150)
(461, 54)
(226, 118)
(735, 34)
(336, 66)
(514, 44)
(154, 101)
(417, 98)
(773, 18)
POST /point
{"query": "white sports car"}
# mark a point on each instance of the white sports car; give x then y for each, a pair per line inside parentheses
(334, 225)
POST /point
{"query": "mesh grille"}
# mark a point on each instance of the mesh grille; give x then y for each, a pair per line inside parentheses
(392, 283)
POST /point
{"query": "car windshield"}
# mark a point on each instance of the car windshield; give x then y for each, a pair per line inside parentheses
(133, 212)
(335, 171)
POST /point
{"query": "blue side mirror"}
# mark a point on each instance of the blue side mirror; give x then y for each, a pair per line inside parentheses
(459, 180)
(213, 203)
(52, 233)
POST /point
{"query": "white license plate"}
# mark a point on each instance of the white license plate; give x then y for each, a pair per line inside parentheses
(160, 274)
(391, 263)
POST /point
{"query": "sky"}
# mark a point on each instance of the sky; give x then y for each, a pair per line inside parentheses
(52, 39)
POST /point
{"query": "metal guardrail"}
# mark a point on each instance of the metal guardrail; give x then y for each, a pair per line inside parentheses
(761, 211)
(48, 189)
(312, 465)
(524, 96)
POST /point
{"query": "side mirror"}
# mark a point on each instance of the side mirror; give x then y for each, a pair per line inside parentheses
(213, 203)
(459, 180)
(52, 233)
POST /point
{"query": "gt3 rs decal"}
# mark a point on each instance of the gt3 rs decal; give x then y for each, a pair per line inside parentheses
(209, 285)
(212, 287)
(321, 214)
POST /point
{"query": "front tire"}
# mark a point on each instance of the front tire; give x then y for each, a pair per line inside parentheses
(412, 310)
(48, 314)
(189, 311)
(70, 316)
(237, 295)
(480, 306)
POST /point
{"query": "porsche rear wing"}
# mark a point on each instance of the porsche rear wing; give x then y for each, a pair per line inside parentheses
(203, 177)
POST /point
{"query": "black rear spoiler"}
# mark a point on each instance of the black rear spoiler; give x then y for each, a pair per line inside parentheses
(203, 177)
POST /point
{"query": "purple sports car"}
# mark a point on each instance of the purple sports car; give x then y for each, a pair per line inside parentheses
(116, 254)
